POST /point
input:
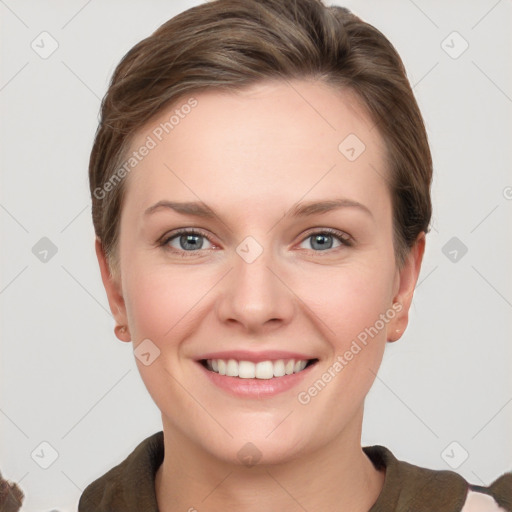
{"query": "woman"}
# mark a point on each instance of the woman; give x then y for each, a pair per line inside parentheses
(260, 182)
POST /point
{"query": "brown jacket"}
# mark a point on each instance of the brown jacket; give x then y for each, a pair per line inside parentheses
(130, 486)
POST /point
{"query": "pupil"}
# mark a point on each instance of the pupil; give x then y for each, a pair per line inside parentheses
(320, 239)
(190, 242)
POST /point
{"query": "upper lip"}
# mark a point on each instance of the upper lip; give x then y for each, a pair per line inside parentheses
(247, 355)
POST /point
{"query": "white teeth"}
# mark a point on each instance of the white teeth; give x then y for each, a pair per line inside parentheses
(246, 370)
(264, 370)
(299, 365)
(279, 368)
(261, 370)
(232, 368)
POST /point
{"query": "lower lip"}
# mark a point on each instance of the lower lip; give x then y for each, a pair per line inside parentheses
(256, 388)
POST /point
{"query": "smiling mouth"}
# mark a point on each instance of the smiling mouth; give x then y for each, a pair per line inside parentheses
(261, 370)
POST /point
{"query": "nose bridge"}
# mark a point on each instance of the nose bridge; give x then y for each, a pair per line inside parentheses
(254, 294)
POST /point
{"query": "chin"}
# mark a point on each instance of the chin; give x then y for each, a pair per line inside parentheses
(259, 453)
(252, 446)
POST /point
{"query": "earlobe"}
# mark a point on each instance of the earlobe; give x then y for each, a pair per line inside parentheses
(121, 332)
(406, 282)
(114, 295)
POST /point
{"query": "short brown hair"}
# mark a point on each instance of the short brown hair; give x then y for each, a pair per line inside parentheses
(231, 44)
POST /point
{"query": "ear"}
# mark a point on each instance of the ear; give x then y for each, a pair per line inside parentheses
(114, 295)
(405, 283)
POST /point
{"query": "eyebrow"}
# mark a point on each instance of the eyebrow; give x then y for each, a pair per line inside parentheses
(316, 207)
(190, 208)
(304, 209)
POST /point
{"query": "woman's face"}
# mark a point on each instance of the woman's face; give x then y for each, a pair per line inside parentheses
(266, 276)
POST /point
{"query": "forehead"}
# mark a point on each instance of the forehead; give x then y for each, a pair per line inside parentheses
(274, 140)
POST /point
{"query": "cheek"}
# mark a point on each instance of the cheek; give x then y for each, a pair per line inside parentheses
(350, 304)
(162, 302)
(149, 307)
(160, 307)
(154, 303)
(347, 300)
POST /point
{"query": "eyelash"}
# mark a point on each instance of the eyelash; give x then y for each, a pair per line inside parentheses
(343, 238)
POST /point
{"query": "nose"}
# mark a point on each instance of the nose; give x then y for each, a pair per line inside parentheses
(254, 295)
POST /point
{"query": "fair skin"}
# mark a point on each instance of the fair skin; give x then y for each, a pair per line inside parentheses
(251, 157)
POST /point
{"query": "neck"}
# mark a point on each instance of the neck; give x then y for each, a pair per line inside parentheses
(336, 476)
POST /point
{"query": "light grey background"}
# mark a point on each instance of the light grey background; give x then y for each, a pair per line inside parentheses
(65, 378)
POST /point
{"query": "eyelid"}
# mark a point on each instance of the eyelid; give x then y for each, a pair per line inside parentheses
(345, 240)
(344, 237)
(167, 237)
(179, 231)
